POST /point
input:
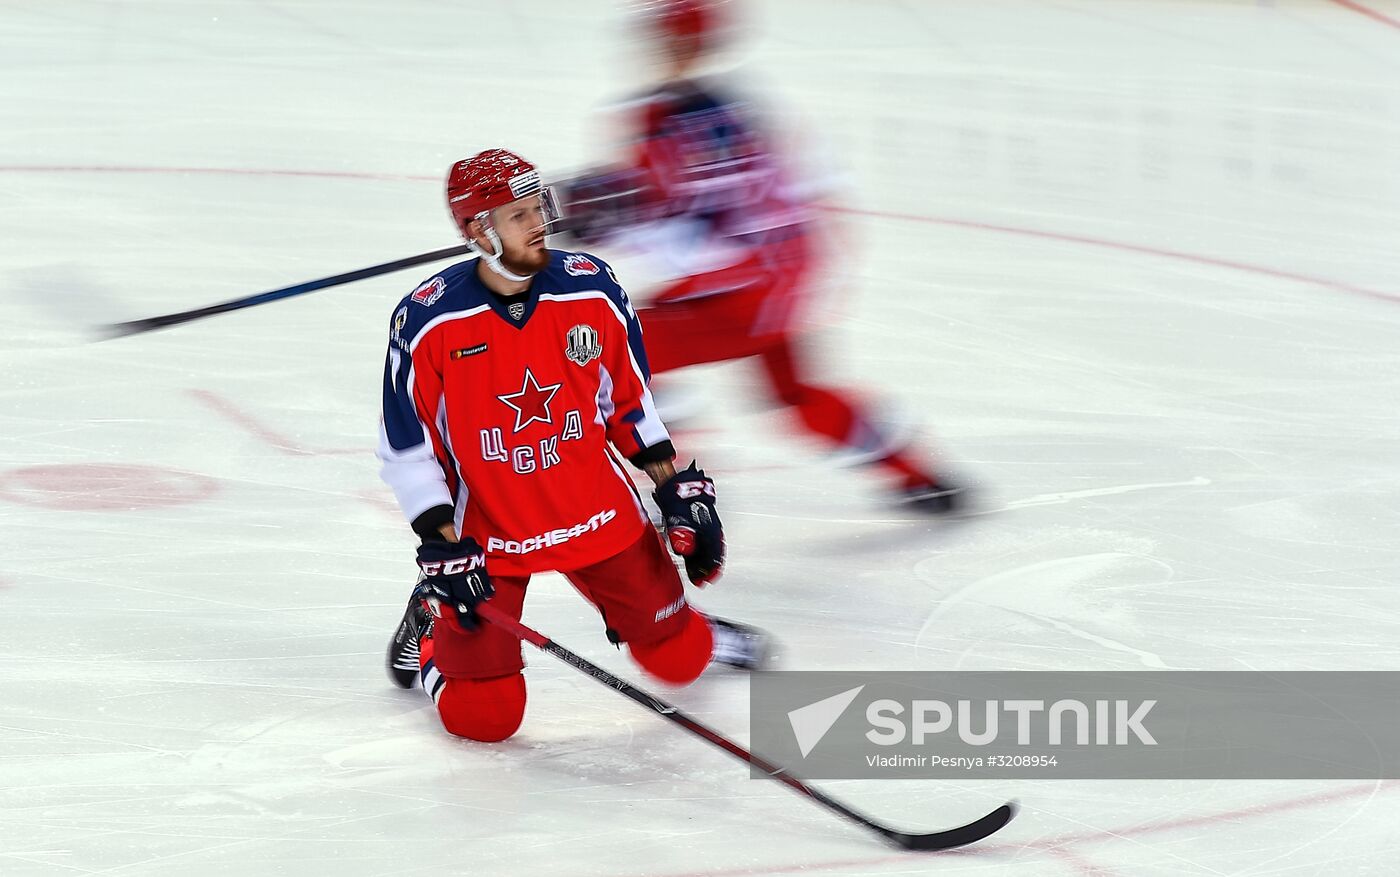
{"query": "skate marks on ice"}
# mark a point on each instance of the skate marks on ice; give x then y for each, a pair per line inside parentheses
(1048, 593)
(880, 533)
(1072, 495)
(1011, 505)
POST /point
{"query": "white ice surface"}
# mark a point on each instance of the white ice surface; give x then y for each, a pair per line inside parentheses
(1134, 266)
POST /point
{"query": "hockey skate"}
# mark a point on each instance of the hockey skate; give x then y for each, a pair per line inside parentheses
(740, 645)
(935, 497)
(401, 659)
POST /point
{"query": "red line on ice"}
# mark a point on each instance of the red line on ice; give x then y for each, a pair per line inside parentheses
(1054, 846)
(1130, 248)
(379, 501)
(1368, 12)
(267, 434)
(1236, 815)
(209, 171)
(904, 217)
(1081, 865)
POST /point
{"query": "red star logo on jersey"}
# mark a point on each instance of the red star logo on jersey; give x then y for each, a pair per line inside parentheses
(532, 402)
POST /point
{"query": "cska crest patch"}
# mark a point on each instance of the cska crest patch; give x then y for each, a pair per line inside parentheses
(583, 346)
(429, 292)
(578, 265)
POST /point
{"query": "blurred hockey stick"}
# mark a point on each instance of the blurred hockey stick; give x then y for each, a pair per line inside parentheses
(937, 840)
(135, 327)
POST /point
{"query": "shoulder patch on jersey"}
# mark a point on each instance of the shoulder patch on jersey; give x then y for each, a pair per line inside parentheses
(400, 320)
(579, 265)
(583, 346)
(429, 292)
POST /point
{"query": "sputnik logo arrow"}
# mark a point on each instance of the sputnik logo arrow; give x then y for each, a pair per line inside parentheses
(810, 723)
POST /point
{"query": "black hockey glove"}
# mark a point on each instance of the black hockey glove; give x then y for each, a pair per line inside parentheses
(454, 580)
(687, 503)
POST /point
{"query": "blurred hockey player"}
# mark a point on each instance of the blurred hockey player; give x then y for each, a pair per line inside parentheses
(512, 383)
(703, 190)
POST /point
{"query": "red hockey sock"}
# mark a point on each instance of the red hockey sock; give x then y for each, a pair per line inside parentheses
(824, 413)
(680, 658)
(834, 415)
(828, 414)
(488, 710)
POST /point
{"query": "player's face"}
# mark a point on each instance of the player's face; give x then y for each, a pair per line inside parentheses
(520, 225)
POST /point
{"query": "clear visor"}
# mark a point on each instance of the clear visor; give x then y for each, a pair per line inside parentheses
(549, 208)
(546, 207)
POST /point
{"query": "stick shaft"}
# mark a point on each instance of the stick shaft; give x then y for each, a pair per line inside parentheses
(497, 617)
(149, 324)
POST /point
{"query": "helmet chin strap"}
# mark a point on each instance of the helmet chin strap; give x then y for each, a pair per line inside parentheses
(493, 260)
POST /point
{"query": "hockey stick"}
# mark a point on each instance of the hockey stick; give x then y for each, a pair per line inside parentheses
(135, 327)
(937, 840)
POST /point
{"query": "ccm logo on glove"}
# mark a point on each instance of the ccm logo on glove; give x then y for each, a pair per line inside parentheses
(452, 567)
(693, 528)
(692, 489)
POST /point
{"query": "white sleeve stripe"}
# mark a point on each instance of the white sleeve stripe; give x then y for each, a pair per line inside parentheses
(459, 506)
(604, 399)
(651, 428)
(413, 473)
(631, 487)
(439, 320)
(414, 476)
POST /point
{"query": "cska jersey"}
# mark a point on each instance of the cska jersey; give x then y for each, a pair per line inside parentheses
(703, 153)
(502, 424)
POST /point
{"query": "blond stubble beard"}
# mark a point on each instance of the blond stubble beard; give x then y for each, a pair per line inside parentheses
(532, 261)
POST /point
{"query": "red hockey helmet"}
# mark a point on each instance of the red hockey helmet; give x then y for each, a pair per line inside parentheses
(697, 23)
(487, 180)
(491, 179)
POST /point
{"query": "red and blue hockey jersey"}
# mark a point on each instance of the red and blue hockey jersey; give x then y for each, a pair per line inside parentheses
(507, 421)
(704, 155)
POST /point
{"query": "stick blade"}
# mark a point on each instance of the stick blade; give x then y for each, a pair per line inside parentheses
(960, 836)
(150, 324)
(110, 331)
